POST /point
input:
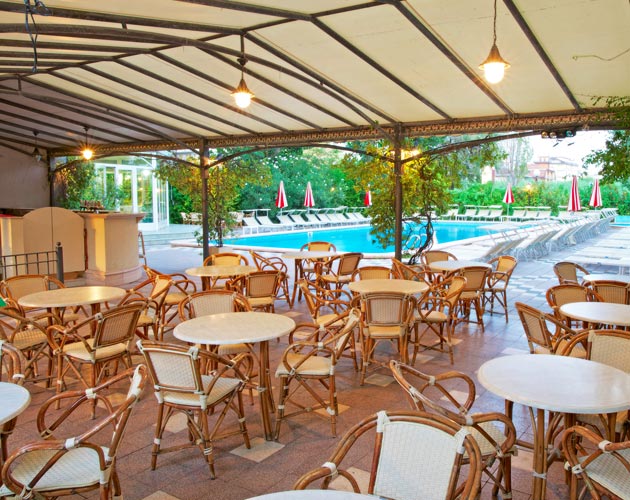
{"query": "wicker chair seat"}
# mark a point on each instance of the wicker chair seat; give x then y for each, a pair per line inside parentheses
(470, 295)
(28, 338)
(226, 349)
(223, 387)
(610, 473)
(77, 468)
(330, 278)
(487, 447)
(174, 298)
(431, 316)
(260, 301)
(79, 351)
(315, 365)
(386, 332)
(578, 351)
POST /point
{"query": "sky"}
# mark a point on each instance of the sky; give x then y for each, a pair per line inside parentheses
(575, 148)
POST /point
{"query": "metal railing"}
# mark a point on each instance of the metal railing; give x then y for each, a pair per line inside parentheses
(49, 263)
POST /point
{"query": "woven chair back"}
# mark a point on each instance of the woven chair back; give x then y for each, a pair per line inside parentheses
(348, 263)
(610, 347)
(173, 368)
(615, 292)
(451, 288)
(506, 263)
(372, 273)
(17, 287)
(567, 293)
(535, 327)
(116, 325)
(319, 246)
(475, 277)
(212, 302)
(262, 284)
(567, 272)
(431, 256)
(387, 309)
(226, 259)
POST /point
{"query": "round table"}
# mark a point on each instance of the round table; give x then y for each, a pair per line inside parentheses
(607, 313)
(210, 274)
(557, 384)
(385, 285)
(75, 296)
(15, 399)
(623, 278)
(298, 257)
(455, 265)
(314, 495)
(241, 328)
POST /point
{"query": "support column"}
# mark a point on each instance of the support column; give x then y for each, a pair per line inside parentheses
(398, 192)
(203, 165)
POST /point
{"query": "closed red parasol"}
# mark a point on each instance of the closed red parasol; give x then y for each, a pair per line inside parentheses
(281, 198)
(596, 196)
(508, 197)
(574, 197)
(309, 202)
(367, 201)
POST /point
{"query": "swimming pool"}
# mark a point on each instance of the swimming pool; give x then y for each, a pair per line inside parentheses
(354, 239)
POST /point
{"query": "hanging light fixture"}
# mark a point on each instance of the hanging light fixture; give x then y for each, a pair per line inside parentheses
(494, 66)
(36, 154)
(87, 152)
(242, 95)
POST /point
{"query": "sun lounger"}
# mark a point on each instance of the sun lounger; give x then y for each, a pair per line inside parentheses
(494, 213)
(266, 221)
(469, 213)
(312, 218)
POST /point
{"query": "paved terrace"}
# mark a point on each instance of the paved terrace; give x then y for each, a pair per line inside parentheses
(305, 441)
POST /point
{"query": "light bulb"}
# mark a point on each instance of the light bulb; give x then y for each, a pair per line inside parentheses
(87, 154)
(494, 71)
(242, 95)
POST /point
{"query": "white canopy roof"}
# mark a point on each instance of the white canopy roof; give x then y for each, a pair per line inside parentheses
(147, 74)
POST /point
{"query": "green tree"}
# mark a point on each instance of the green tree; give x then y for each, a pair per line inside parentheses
(519, 152)
(614, 159)
(225, 182)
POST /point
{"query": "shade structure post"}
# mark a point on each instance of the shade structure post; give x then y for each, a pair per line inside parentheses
(574, 197)
(203, 165)
(596, 195)
(398, 194)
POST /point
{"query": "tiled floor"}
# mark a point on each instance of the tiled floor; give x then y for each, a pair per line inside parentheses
(305, 442)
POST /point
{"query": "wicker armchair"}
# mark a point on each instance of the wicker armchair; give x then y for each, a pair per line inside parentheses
(324, 304)
(71, 464)
(313, 358)
(11, 370)
(415, 455)
(152, 294)
(112, 335)
(337, 272)
(260, 288)
(603, 467)
(437, 311)
(385, 316)
(497, 282)
(180, 386)
(14, 288)
(452, 395)
(569, 272)
(567, 293)
(29, 337)
(222, 259)
(372, 273)
(178, 290)
(612, 348)
(540, 339)
(274, 264)
(473, 293)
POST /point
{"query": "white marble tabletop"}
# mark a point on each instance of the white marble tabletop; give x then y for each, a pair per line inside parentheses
(623, 278)
(75, 296)
(234, 328)
(314, 495)
(454, 265)
(598, 312)
(557, 383)
(385, 285)
(219, 271)
(13, 400)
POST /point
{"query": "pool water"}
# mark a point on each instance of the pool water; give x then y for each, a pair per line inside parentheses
(355, 239)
